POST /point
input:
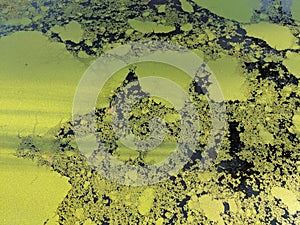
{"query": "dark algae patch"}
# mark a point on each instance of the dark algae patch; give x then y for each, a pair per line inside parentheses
(255, 177)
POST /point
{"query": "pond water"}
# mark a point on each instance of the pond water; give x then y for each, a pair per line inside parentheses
(249, 54)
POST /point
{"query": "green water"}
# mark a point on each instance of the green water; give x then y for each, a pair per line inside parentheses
(45, 48)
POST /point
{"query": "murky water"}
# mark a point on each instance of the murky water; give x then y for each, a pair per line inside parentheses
(252, 48)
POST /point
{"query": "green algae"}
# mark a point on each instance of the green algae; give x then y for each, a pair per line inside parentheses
(72, 31)
(288, 197)
(292, 62)
(295, 10)
(15, 12)
(143, 70)
(238, 10)
(273, 34)
(265, 135)
(31, 191)
(161, 8)
(187, 27)
(186, 6)
(160, 153)
(30, 65)
(149, 26)
(266, 106)
(229, 75)
(146, 201)
(211, 207)
(124, 153)
(18, 21)
(142, 26)
(296, 122)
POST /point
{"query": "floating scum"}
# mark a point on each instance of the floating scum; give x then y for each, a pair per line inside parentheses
(36, 94)
(254, 178)
(99, 73)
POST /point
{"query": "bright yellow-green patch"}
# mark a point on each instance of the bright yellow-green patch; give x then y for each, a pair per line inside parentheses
(159, 221)
(146, 201)
(229, 76)
(292, 62)
(288, 197)
(186, 6)
(296, 122)
(161, 8)
(166, 71)
(29, 195)
(160, 153)
(275, 35)
(89, 222)
(38, 81)
(145, 69)
(211, 36)
(72, 31)
(187, 27)
(265, 135)
(232, 205)
(211, 207)
(149, 26)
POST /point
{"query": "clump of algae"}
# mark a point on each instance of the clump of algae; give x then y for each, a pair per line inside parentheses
(72, 31)
(148, 26)
(273, 34)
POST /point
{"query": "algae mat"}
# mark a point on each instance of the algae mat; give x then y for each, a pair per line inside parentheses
(29, 194)
(254, 179)
(38, 80)
(145, 69)
(230, 77)
(277, 36)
